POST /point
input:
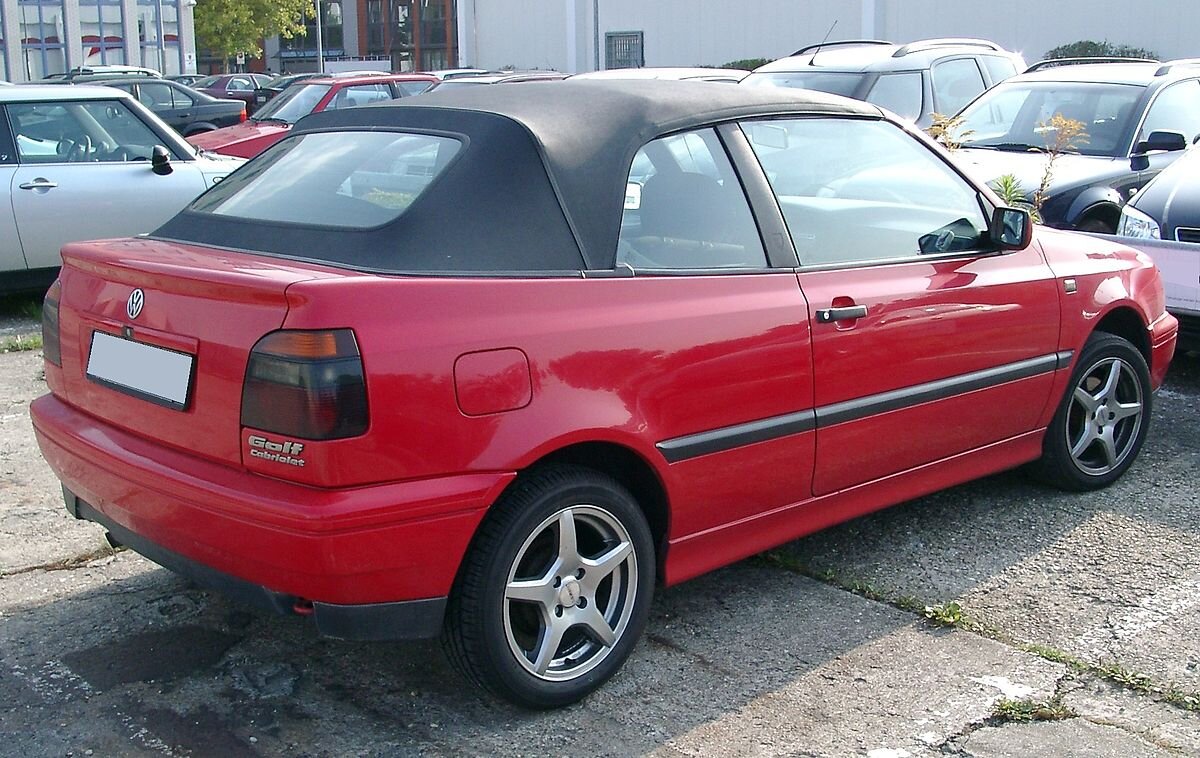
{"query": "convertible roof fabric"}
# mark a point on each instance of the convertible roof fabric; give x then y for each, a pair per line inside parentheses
(539, 186)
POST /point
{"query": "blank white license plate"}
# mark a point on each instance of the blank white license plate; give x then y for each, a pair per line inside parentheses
(135, 368)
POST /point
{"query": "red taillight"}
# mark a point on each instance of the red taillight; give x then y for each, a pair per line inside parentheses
(306, 384)
(51, 348)
(242, 118)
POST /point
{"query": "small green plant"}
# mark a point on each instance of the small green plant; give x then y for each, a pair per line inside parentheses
(19, 342)
(1008, 187)
(909, 603)
(1032, 710)
(948, 131)
(1063, 135)
(946, 614)
(867, 590)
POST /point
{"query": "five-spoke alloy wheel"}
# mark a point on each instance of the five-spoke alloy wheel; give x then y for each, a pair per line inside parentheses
(555, 590)
(1099, 427)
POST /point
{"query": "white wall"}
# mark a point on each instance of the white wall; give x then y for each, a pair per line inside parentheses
(534, 33)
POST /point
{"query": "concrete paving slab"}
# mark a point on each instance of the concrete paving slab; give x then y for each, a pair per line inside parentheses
(35, 529)
(1073, 738)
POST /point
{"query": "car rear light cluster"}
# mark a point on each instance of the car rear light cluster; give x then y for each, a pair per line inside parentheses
(51, 347)
(306, 384)
(243, 116)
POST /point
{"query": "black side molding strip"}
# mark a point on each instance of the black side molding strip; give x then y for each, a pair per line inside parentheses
(729, 437)
(851, 410)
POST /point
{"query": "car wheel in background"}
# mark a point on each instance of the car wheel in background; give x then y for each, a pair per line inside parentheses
(555, 589)
(1102, 420)
(1097, 225)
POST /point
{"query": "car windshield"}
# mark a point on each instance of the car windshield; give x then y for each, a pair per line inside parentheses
(834, 82)
(1018, 116)
(293, 104)
(207, 81)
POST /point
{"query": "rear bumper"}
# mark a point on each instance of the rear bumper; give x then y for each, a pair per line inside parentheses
(271, 542)
(411, 619)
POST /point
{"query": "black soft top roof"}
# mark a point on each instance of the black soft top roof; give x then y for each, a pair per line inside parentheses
(585, 133)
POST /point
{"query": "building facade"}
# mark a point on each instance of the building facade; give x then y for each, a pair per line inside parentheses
(395, 35)
(41, 37)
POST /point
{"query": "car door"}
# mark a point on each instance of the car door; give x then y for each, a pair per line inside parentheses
(737, 393)
(926, 343)
(1175, 108)
(85, 173)
(11, 257)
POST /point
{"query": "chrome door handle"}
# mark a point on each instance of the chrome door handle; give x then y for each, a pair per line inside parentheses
(828, 315)
(38, 183)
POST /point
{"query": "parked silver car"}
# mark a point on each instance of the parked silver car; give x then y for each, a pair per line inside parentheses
(85, 163)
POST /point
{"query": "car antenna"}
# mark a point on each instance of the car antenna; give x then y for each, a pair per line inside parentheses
(813, 60)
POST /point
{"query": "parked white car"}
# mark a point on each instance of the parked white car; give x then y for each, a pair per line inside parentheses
(81, 163)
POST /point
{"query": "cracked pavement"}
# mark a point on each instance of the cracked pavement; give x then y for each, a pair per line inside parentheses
(108, 654)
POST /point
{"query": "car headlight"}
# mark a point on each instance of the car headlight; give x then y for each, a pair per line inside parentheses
(1134, 223)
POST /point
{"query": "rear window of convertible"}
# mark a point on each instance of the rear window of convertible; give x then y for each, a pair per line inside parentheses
(354, 180)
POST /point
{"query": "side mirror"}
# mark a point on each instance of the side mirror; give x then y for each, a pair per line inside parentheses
(160, 160)
(1011, 228)
(1167, 141)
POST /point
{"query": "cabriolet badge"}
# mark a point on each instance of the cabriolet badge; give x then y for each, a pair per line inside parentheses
(280, 452)
(133, 306)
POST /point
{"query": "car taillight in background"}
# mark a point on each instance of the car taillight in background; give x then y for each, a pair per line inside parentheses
(242, 118)
(51, 349)
(306, 384)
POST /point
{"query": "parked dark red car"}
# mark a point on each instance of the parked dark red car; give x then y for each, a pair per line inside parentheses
(274, 120)
(234, 86)
(493, 363)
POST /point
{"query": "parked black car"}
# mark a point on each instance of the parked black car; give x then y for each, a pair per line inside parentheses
(186, 110)
(914, 80)
(1138, 117)
(1164, 221)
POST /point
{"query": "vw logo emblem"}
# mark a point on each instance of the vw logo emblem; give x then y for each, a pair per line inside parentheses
(133, 306)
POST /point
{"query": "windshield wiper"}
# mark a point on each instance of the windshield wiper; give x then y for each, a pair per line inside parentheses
(1012, 147)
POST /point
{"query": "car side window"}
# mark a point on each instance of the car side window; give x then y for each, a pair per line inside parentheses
(8, 151)
(239, 84)
(156, 97)
(864, 191)
(84, 132)
(360, 94)
(998, 68)
(955, 83)
(900, 93)
(181, 99)
(413, 88)
(1176, 109)
(685, 209)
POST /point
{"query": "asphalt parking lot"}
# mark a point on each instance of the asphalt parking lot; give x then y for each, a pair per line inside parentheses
(1078, 613)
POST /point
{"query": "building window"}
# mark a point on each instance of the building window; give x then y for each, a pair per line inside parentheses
(102, 25)
(624, 50)
(423, 34)
(41, 23)
(161, 54)
(304, 46)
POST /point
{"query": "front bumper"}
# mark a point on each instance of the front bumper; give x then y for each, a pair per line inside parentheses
(1164, 332)
(355, 554)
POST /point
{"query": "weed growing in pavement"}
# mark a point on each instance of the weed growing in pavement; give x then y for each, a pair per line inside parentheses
(26, 306)
(946, 614)
(17, 343)
(908, 603)
(1032, 710)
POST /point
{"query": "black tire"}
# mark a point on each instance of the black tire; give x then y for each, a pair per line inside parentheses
(495, 639)
(1091, 443)
(1097, 225)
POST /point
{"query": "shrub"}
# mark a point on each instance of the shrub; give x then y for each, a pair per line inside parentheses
(1087, 48)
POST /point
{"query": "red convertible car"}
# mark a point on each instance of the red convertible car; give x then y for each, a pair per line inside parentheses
(493, 363)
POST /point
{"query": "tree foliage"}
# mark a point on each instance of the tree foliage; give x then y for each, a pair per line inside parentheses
(1087, 48)
(746, 64)
(229, 27)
